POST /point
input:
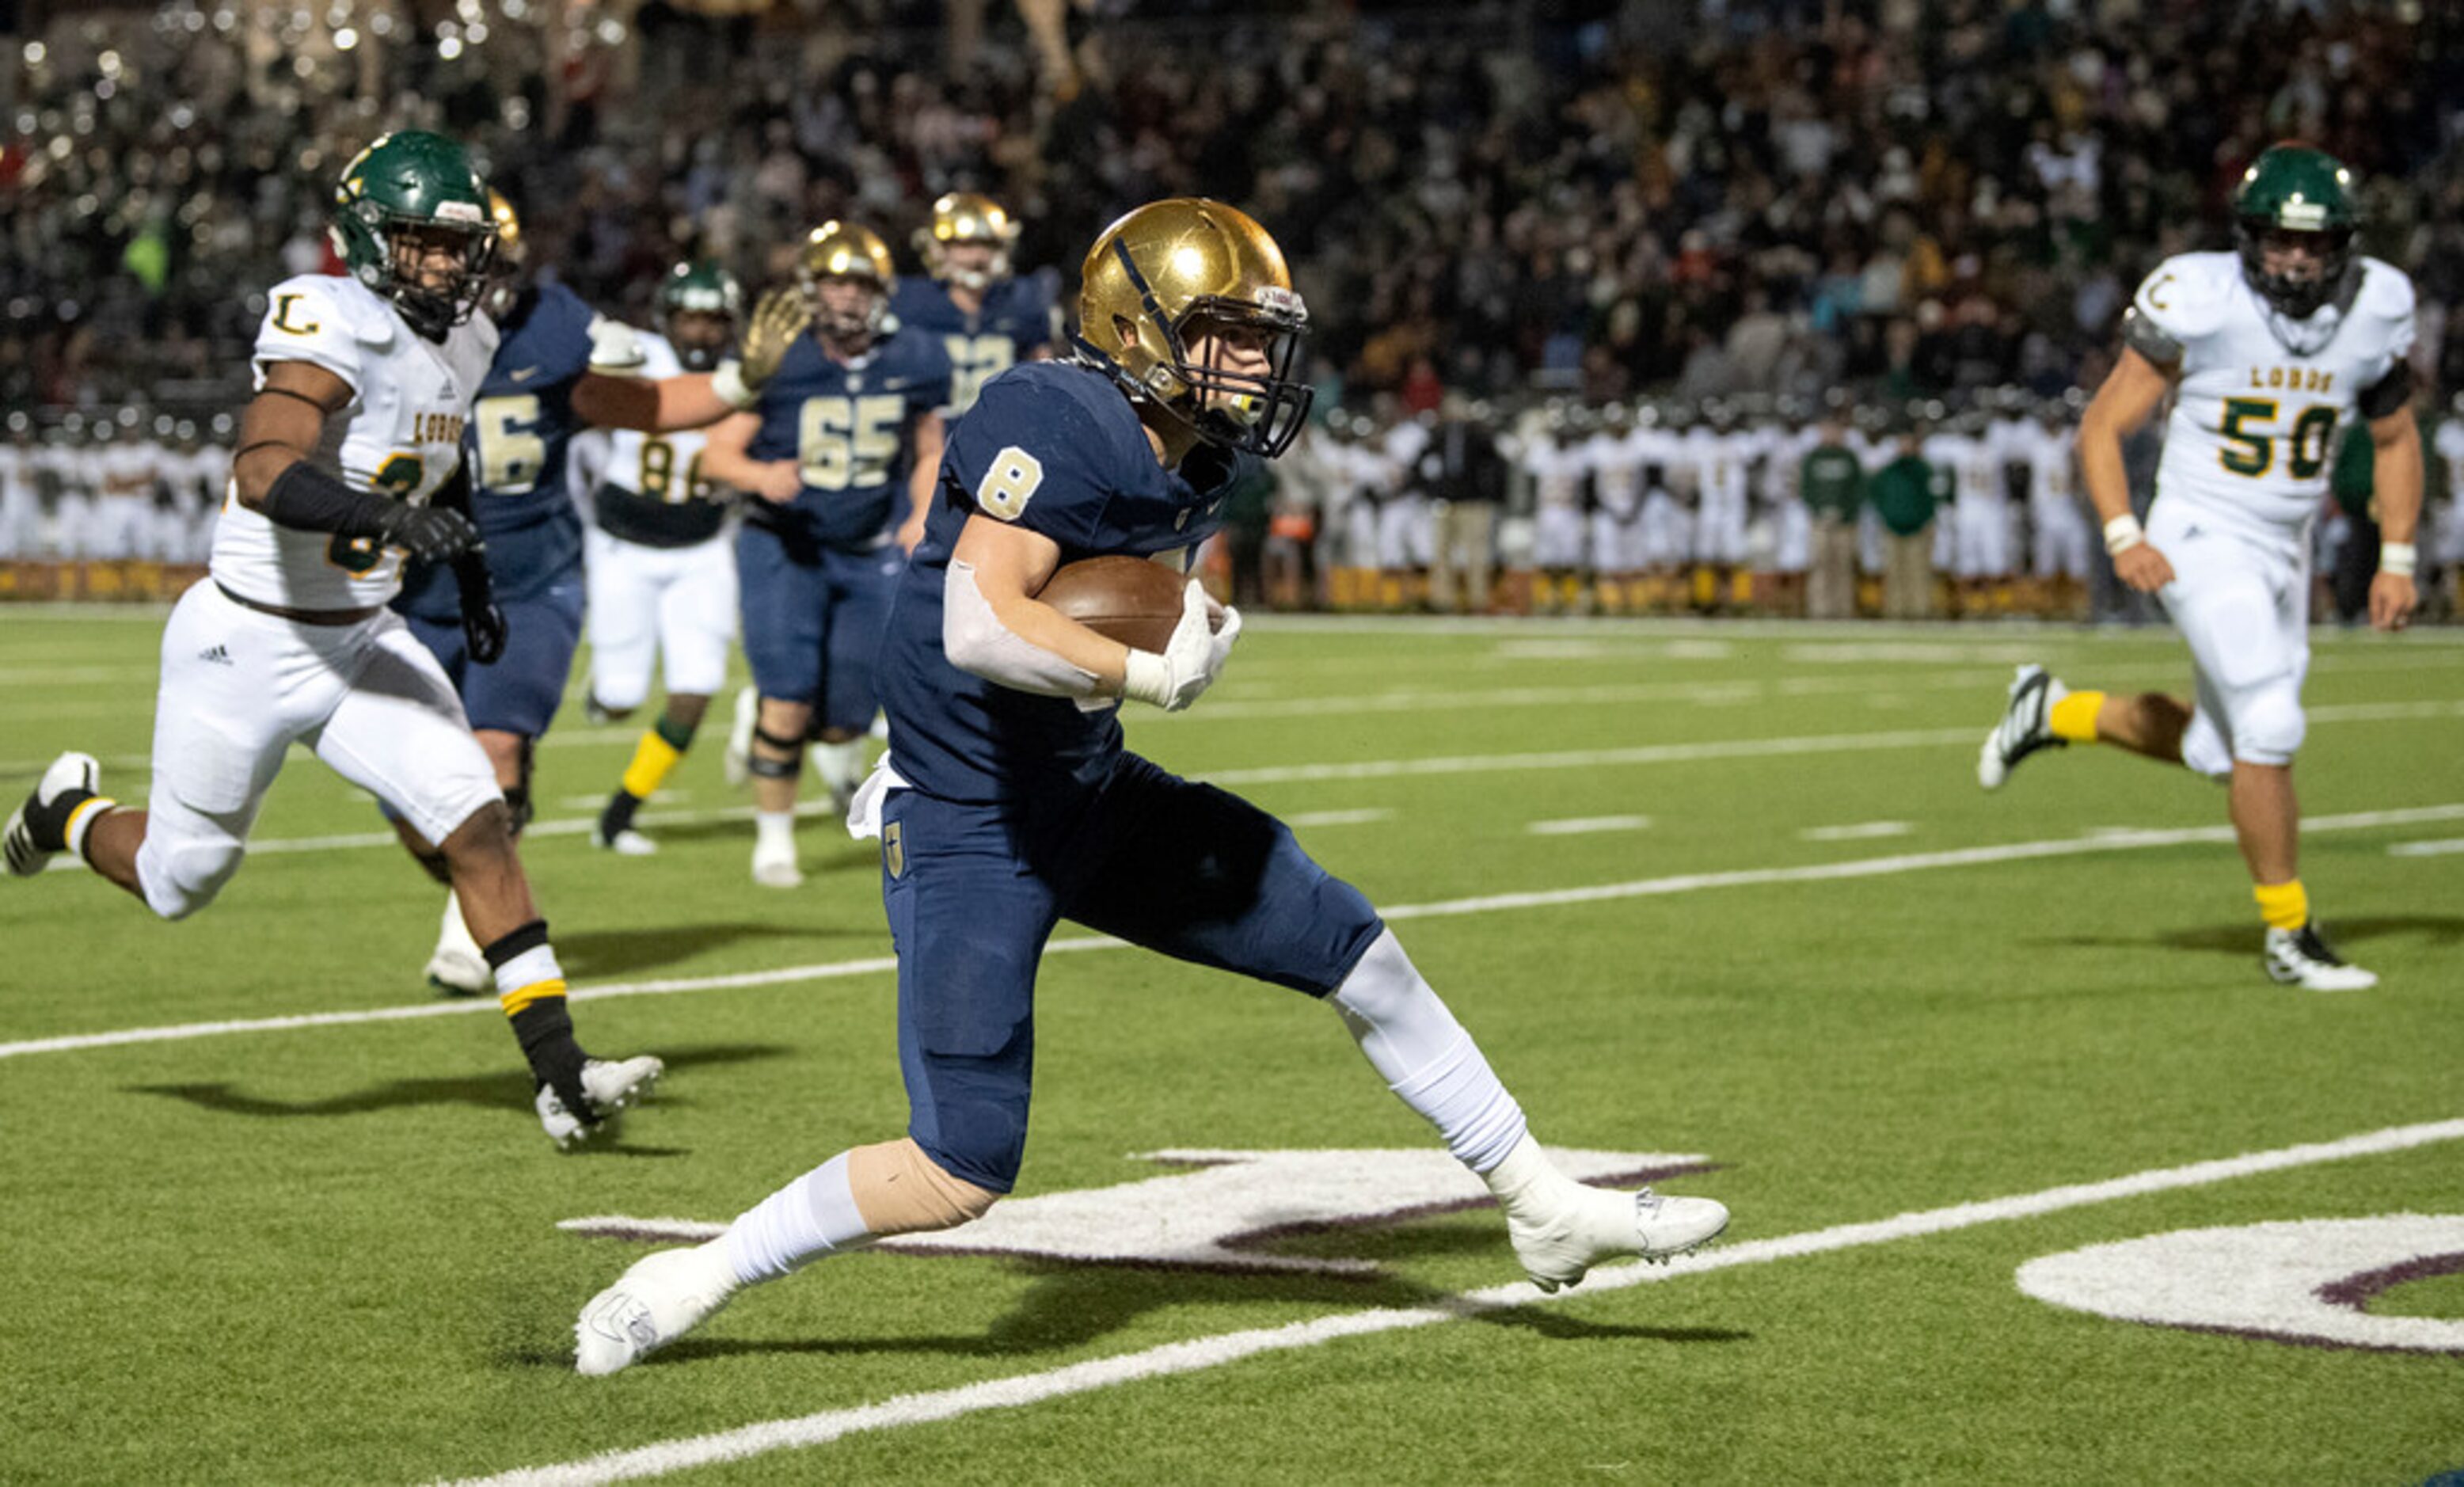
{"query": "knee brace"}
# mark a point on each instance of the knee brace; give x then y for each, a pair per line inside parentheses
(762, 766)
(899, 1190)
(2267, 724)
(179, 881)
(517, 795)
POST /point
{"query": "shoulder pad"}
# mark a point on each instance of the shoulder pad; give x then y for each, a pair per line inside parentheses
(2185, 299)
(317, 318)
(2387, 292)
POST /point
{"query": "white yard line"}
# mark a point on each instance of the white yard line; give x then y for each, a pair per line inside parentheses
(1551, 898)
(1860, 831)
(1369, 815)
(1584, 825)
(2447, 848)
(1209, 1352)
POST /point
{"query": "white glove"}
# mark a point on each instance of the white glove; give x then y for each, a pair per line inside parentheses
(1191, 660)
(615, 351)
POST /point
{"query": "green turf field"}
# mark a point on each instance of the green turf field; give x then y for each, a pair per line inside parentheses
(1727, 893)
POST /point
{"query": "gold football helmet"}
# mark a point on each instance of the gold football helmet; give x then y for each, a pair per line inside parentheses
(846, 251)
(1154, 277)
(966, 217)
(507, 270)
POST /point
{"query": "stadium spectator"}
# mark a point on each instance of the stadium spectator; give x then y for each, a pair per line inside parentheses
(1904, 496)
(1832, 486)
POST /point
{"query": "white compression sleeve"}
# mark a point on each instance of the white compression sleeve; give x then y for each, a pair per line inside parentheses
(976, 640)
(810, 1217)
(1425, 1055)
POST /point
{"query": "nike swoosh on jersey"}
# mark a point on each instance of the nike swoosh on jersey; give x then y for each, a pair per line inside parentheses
(525, 374)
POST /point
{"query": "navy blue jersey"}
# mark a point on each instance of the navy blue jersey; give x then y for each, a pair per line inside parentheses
(1014, 323)
(516, 447)
(1055, 447)
(850, 429)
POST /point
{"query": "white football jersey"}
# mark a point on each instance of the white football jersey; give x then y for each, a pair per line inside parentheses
(125, 470)
(2449, 442)
(1617, 463)
(400, 433)
(2049, 454)
(2254, 424)
(665, 466)
(1976, 465)
(1722, 463)
(18, 464)
(1557, 475)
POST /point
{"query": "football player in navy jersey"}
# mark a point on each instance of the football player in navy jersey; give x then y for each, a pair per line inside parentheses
(1008, 803)
(838, 455)
(987, 321)
(560, 368)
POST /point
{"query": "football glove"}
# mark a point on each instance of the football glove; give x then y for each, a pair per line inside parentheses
(777, 319)
(431, 534)
(483, 623)
(1190, 661)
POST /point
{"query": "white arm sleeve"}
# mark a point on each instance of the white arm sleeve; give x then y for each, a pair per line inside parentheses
(976, 642)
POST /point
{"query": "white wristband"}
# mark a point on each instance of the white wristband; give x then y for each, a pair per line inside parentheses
(2123, 534)
(1145, 678)
(2398, 558)
(728, 382)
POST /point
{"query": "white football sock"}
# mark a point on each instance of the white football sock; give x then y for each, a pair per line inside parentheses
(810, 1217)
(1426, 1057)
(774, 830)
(1528, 1185)
(840, 765)
(454, 933)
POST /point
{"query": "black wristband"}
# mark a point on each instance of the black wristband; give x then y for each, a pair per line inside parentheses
(308, 499)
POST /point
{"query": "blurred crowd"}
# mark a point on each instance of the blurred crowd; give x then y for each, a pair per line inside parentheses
(1742, 203)
(1710, 198)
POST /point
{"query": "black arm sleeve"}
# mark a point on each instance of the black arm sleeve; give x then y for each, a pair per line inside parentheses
(2143, 336)
(309, 499)
(2389, 393)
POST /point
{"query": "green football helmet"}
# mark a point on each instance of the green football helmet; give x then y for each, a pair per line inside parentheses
(413, 180)
(699, 288)
(2293, 188)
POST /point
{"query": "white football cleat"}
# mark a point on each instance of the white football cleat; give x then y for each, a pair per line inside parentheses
(774, 865)
(627, 842)
(2026, 726)
(2301, 957)
(1592, 1225)
(611, 1084)
(458, 968)
(37, 830)
(736, 763)
(659, 1300)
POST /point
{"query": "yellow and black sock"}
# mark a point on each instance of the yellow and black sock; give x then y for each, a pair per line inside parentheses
(662, 745)
(530, 986)
(2284, 906)
(2073, 719)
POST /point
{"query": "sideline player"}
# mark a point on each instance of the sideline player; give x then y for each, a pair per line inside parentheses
(662, 567)
(561, 366)
(1011, 802)
(289, 639)
(984, 318)
(839, 453)
(2272, 347)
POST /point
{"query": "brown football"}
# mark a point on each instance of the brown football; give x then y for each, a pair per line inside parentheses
(1135, 601)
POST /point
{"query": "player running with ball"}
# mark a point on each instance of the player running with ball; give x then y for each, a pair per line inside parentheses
(1008, 802)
